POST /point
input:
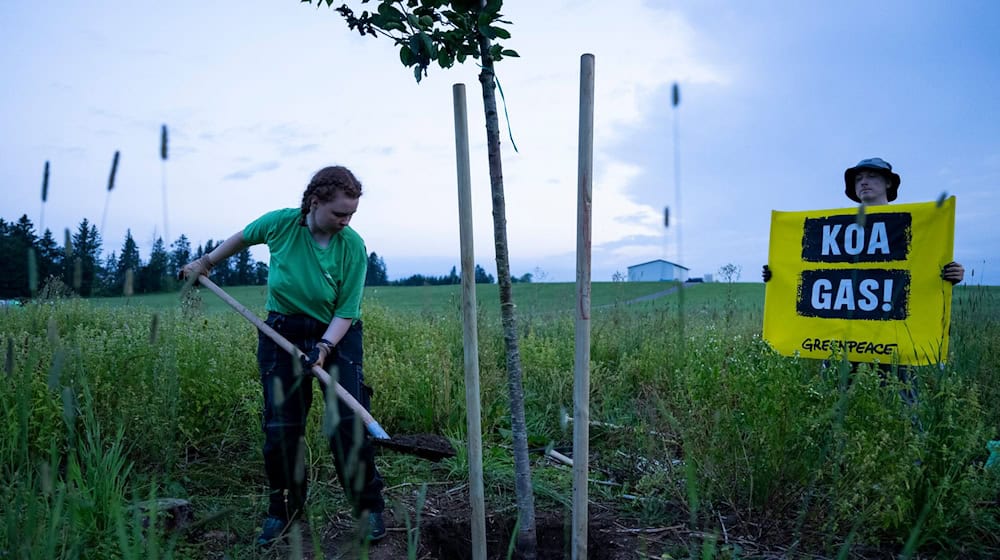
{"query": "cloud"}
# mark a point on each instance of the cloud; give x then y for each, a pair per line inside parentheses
(57, 149)
(261, 113)
(301, 149)
(629, 241)
(244, 174)
(118, 118)
(380, 151)
(617, 216)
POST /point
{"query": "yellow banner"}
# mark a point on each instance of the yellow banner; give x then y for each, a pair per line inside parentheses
(867, 282)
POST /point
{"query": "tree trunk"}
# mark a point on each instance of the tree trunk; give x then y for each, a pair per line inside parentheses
(526, 540)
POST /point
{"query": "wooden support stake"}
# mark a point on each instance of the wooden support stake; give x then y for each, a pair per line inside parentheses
(581, 379)
(477, 498)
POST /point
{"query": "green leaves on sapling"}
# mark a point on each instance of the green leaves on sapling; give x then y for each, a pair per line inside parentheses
(429, 31)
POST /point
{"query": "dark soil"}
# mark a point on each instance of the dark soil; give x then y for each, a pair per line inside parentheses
(448, 536)
(445, 532)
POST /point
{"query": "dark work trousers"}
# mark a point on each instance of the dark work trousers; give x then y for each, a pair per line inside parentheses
(287, 399)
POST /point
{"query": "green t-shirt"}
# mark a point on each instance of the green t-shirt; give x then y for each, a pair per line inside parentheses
(304, 278)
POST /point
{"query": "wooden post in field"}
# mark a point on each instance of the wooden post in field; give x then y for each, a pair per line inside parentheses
(469, 327)
(581, 380)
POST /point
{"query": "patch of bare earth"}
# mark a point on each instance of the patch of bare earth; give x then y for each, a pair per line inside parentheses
(445, 532)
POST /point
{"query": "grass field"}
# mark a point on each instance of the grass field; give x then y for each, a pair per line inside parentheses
(531, 298)
(743, 453)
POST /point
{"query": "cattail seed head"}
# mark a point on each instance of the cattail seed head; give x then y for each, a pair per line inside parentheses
(163, 142)
(45, 183)
(68, 244)
(114, 170)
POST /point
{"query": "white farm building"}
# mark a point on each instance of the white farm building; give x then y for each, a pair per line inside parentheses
(657, 271)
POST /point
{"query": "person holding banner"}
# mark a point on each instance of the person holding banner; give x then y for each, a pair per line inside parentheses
(872, 182)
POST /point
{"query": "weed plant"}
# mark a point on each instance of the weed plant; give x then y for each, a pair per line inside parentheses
(701, 424)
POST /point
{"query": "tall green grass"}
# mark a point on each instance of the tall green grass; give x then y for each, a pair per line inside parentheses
(106, 403)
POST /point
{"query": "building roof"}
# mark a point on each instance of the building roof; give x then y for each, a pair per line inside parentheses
(658, 261)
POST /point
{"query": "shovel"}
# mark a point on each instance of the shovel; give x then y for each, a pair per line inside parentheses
(429, 447)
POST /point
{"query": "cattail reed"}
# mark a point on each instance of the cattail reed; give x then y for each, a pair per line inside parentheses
(32, 271)
(114, 170)
(163, 142)
(77, 273)
(55, 371)
(129, 282)
(45, 183)
(299, 471)
(331, 415)
(9, 363)
(45, 473)
(77, 263)
(163, 176)
(52, 331)
(69, 412)
(279, 393)
(154, 328)
(45, 196)
(111, 186)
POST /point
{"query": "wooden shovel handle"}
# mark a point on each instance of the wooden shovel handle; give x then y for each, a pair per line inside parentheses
(370, 423)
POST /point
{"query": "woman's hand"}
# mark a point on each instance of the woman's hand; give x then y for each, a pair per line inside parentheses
(317, 355)
(196, 268)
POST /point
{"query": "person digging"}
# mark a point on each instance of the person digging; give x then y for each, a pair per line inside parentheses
(315, 283)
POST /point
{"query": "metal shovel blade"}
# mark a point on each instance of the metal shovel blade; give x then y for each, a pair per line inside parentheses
(426, 446)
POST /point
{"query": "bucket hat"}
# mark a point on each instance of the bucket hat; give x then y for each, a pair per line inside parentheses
(877, 164)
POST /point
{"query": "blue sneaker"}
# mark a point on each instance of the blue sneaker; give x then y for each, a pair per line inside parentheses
(273, 530)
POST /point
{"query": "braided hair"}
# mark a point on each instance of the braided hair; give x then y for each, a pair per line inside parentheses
(325, 185)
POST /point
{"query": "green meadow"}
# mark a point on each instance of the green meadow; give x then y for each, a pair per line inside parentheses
(107, 403)
(530, 298)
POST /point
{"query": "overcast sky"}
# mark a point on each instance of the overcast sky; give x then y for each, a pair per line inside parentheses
(777, 99)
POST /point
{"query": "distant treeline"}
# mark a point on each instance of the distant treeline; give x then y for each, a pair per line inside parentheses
(29, 264)
(377, 276)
